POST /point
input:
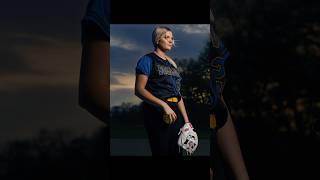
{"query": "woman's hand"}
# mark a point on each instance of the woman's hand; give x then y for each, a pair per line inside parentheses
(189, 123)
(169, 115)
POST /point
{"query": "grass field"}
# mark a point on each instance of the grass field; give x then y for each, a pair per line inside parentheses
(137, 131)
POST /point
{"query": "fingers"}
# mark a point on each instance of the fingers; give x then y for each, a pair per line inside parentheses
(169, 115)
(170, 118)
(173, 116)
(189, 123)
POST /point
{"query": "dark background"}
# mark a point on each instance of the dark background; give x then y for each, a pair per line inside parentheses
(272, 88)
(44, 134)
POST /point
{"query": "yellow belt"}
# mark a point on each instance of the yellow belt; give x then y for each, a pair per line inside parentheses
(213, 121)
(173, 99)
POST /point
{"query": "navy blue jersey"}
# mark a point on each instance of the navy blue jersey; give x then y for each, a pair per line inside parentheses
(164, 80)
(219, 54)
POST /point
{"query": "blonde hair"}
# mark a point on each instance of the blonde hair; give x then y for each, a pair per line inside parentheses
(157, 34)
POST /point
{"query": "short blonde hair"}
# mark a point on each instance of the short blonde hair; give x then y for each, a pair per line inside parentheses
(157, 33)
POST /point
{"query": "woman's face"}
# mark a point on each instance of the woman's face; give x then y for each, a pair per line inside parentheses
(166, 41)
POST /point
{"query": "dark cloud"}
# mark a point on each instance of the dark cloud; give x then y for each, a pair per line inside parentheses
(36, 23)
(126, 95)
(40, 37)
(140, 34)
(123, 60)
(56, 18)
(114, 80)
(12, 62)
(25, 111)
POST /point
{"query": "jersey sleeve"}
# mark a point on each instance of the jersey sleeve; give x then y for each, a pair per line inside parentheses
(96, 21)
(144, 66)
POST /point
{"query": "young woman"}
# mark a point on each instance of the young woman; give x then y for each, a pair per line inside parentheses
(224, 139)
(158, 85)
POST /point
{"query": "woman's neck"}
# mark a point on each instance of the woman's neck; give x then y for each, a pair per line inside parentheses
(161, 54)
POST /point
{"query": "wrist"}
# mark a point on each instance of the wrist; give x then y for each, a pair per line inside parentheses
(189, 124)
(163, 104)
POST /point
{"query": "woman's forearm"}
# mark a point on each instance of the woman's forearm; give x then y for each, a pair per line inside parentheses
(229, 144)
(183, 111)
(146, 96)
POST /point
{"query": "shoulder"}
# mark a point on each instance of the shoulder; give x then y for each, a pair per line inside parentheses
(172, 62)
(98, 11)
(144, 65)
(147, 58)
(98, 14)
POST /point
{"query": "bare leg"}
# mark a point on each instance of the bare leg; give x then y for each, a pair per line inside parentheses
(228, 143)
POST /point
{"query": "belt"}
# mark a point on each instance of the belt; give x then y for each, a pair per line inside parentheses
(172, 99)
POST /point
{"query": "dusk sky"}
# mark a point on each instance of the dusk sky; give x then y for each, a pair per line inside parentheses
(40, 58)
(129, 42)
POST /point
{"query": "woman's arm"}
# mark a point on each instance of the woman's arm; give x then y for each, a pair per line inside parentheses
(183, 111)
(145, 95)
(94, 79)
(230, 147)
